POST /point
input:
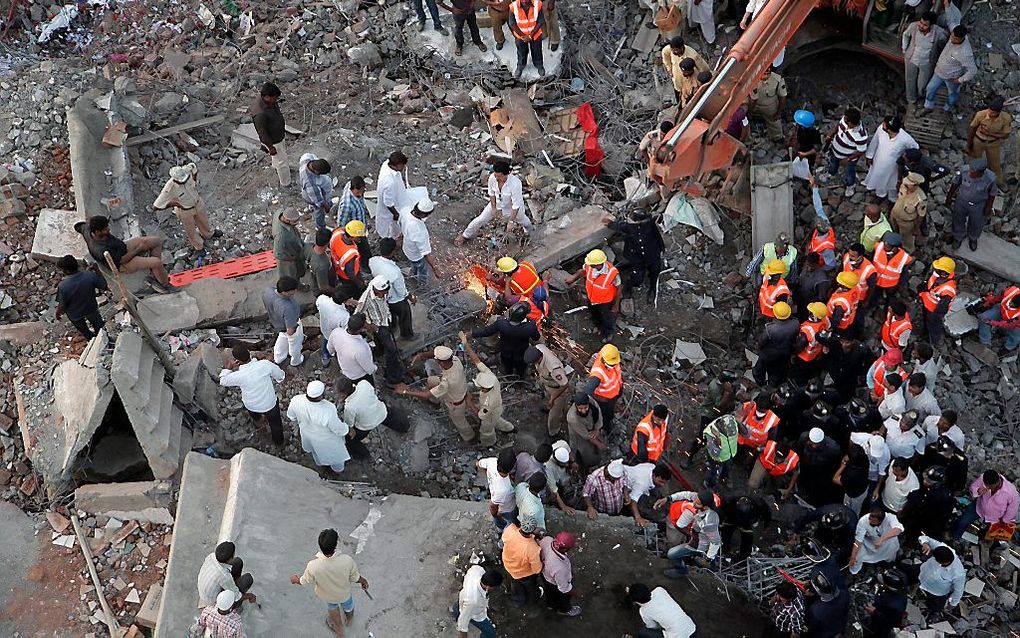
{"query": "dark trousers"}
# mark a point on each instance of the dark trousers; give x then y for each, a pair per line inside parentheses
(88, 325)
(346, 290)
(513, 362)
(459, 19)
(536, 55)
(525, 590)
(746, 540)
(554, 598)
(608, 407)
(882, 296)
(274, 420)
(967, 518)
(364, 252)
(242, 580)
(968, 221)
(803, 371)
(636, 277)
(401, 313)
(913, 573)
(932, 323)
(604, 317)
(394, 366)
(396, 420)
(770, 367)
(433, 12)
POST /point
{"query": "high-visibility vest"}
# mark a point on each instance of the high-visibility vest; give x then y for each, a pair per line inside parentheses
(342, 253)
(932, 293)
(601, 287)
(769, 294)
(878, 377)
(677, 509)
(820, 243)
(538, 311)
(890, 269)
(757, 428)
(524, 280)
(1009, 314)
(767, 458)
(769, 255)
(610, 378)
(810, 330)
(656, 437)
(865, 270)
(847, 301)
(893, 329)
(527, 23)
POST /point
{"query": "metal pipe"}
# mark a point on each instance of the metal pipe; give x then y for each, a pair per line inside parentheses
(716, 81)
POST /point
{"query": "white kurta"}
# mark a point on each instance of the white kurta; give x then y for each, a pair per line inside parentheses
(704, 14)
(883, 151)
(868, 535)
(322, 431)
(392, 191)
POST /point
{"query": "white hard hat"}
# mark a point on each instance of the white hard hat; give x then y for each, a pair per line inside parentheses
(442, 353)
(380, 282)
(485, 380)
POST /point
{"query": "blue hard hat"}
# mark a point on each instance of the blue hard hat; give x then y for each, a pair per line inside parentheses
(804, 118)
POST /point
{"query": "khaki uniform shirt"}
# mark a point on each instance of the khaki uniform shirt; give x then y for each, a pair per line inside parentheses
(910, 207)
(550, 370)
(490, 402)
(185, 195)
(452, 386)
(672, 63)
(766, 95)
(991, 129)
(686, 87)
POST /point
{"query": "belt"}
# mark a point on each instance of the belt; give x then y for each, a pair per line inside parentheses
(455, 403)
(986, 141)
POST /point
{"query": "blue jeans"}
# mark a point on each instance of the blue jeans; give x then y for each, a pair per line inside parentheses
(985, 330)
(717, 471)
(968, 516)
(503, 519)
(933, 88)
(849, 173)
(433, 11)
(347, 605)
(485, 627)
(420, 271)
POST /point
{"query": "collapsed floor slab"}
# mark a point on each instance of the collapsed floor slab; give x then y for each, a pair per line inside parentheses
(994, 254)
(771, 203)
(55, 235)
(572, 234)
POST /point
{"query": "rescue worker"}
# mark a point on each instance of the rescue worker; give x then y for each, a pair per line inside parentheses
(888, 363)
(834, 527)
(181, 192)
(822, 241)
(876, 225)
(988, 129)
(449, 388)
(505, 193)
(718, 401)
(930, 508)
(970, 197)
(855, 261)
(936, 295)
(343, 250)
(780, 249)
(944, 453)
(896, 328)
(720, 438)
(288, 247)
(827, 616)
(584, 424)
(1004, 314)
(745, 515)
(673, 55)
(642, 250)
(757, 423)
(520, 279)
(553, 379)
(846, 364)
(649, 441)
(490, 399)
(908, 213)
(843, 304)
(887, 610)
(516, 334)
(603, 286)
(605, 381)
(703, 519)
(890, 262)
(813, 284)
(768, 101)
(773, 288)
(526, 21)
(807, 347)
(776, 459)
(776, 346)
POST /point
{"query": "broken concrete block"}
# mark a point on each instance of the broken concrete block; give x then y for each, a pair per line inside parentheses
(146, 616)
(103, 498)
(958, 321)
(22, 333)
(55, 235)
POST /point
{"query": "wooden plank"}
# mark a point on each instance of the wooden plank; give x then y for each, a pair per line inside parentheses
(771, 202)
(150, 136)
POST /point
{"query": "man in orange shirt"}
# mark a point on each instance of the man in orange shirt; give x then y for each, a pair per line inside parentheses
(522, 559)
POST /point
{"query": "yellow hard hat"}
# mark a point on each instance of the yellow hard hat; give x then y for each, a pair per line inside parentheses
(506, 264)
(775, 267)
(355, 228)
(782, 310)
(846, 278)
(818, 309)
(610, 353)
(945, 264)
(595, 258)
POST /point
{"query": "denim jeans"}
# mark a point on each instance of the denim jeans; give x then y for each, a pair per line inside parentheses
(985, 330)
(420, 271)
(433, 11)
(717, 471)
(968, 516)
(503, 519)
(933, 88)
(678, 553)
(485, 627)
(849, 173)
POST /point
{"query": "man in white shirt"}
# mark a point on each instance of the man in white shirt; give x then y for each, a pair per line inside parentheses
(875, 540)
(399, 301)
(332, 315)
(417, 241)
(919, 398)
(904, 435)
(924, 363)
(644, 479)
(255, 378)
(937, 425)
(506, 196)
(898, 485)
(222, 570)
(364, 412)
(391, 190)
(352, 351)
(322, 432)
(662, 615)
(472, 606)
(502, 499)
(893, 403)
(942, 577)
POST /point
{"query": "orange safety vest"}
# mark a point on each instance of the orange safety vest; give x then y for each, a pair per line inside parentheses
(848, 302)
(676, 510)
(822, 243)
(930, 296)
(656, 437)
(893, 329)
(769, 294)
(878, 378)
(537, 312)
(890, 269)
(524, 280)
(528, 23)
(865, 270)
(610, 378)
(1009, 314)
(342, 253)
(601, 287)
(757, 429)
(810, 330)
(767, 458)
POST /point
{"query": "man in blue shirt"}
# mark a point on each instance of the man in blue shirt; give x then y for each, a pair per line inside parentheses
(76, 297)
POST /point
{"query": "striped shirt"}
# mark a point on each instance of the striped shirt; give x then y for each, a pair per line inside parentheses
(213, 578)
(849, 140)
(351, 208)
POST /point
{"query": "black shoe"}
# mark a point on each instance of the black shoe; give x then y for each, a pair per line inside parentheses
(553, 47)
(499, 46)
(972, 243)
(541, 72)
(957, 244)
(420, 27)
(518, 73)
(216, 233)
(459, 50)
(442, 30)
(481, 46)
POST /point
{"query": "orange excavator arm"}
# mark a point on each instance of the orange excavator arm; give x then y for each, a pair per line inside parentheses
(699, 144)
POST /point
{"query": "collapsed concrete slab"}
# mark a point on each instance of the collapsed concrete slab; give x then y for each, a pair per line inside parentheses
(273, 511)
(22, 333)
(994, 254)
(135, 495)
(572, 234)
(771, 203)
(194, 382)
(102, 174)
(55, 235)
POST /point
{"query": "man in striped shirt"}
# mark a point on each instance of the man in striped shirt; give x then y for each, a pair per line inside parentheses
(847, 142)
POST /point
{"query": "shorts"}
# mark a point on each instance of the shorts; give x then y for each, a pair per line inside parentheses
(347, 605)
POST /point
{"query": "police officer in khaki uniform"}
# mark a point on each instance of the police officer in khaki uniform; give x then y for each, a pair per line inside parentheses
(768, 101)
(988, 129)
(908, 212)
(490, 399)
(553, 378)
(450, 388)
